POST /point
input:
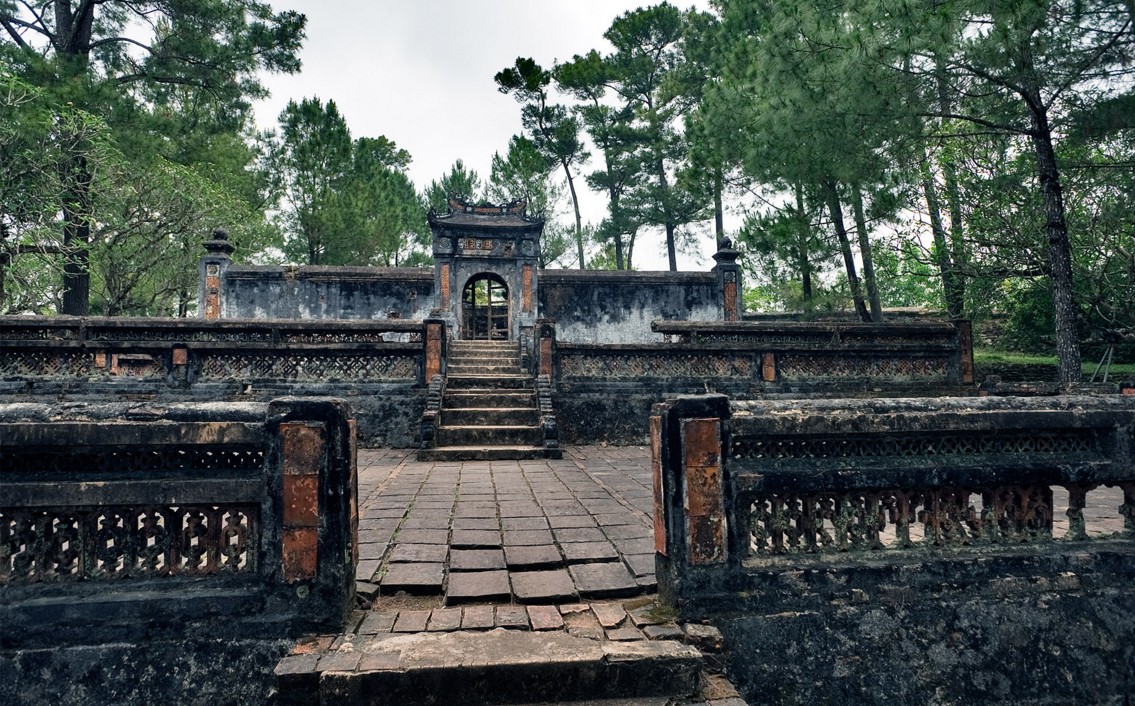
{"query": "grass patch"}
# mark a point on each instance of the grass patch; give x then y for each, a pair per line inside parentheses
(992, 357)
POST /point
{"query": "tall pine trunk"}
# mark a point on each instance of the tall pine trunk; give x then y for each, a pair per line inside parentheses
(865, 254)
(946, 270)
(718, 210)
(803, 257)
(73, 44)
(956, 236)
(76, 203)
(1059, 245)
(578, 219)
(671, 245)
(831, 194)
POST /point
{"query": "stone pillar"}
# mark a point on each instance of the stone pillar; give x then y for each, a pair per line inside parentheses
(546, 348)
(693, 536)
(729, 279)
(965, 344)
(435, 340)
(211, 275)
(313, 468)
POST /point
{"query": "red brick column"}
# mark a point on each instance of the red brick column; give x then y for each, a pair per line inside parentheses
(965, 345)
(303, 456)
(705, 512)
(435, 348)
(693, 536)
(546, 348)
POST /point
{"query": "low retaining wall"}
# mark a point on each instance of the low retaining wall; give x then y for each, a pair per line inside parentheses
(604, 392)
(163, 554)
(884, 551)
(378, 365)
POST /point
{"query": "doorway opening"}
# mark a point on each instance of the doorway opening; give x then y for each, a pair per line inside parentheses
(484, 309)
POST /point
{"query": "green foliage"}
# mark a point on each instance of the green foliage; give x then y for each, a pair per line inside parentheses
(149, 214)
(524, 174)
(347, 202)
(171, 83)
(554, 131)
(461, 182)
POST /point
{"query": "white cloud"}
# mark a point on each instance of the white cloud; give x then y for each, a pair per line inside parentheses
(421, 73)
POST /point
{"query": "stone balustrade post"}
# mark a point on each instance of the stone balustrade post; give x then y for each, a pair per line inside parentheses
(314, 459)
(692, 493)
(965, 345)
(729, 280)
(211, 275)
(435, 344)
(546, 349)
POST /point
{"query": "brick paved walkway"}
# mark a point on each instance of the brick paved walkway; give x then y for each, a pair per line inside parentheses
(543, 531)
(536, 532)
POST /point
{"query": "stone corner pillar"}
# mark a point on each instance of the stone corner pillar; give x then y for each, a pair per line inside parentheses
(728, 279)
(546, 348)
(211, 275)
(694, 542)
(435, 340)
(964, 327)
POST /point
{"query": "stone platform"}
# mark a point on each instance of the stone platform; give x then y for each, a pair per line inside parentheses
(534, 532)
(520, 582)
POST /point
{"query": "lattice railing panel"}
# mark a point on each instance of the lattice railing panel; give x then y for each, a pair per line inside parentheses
(307, 367)
(797, 365)
(914, 445)
(127, 542)
(859, 520)
(46, 363)
(130, 460)
(669, 365)
(174, 335)
(322, 337)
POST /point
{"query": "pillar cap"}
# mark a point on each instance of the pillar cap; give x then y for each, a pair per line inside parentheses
(725, 254)
(219, 244)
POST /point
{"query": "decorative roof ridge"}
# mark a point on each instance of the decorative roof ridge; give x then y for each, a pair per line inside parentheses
(457, 205)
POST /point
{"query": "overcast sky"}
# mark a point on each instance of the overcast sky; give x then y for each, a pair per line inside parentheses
(421, 73)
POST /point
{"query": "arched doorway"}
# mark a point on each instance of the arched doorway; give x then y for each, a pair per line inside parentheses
(484, 309)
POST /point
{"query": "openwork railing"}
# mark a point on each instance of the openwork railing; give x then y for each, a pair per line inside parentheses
(805, 483)
(184, 352)
(254, 501)
(825, 353)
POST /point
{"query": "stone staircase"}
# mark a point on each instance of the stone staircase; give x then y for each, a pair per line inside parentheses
(597, 654)
(489, 407)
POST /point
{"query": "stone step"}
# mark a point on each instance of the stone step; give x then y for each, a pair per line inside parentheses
(467, 668)
(482, 346)
(488, 382)
(488, 453)
(499, 435)
(483, 369)
(462, 399)
(511, 356)
(490, 416)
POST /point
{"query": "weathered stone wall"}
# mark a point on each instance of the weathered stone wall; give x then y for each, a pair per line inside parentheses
(168, 554)
(314, 292)
(619, 307)
(908, 550)
(589, 306)
(378, 366)
(1051, 629)
(604, 391)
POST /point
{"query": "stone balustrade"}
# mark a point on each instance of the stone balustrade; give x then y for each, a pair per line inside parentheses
(121, 519)
(889, 548)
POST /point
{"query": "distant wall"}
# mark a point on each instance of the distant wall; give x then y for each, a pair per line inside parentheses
(618, 307)
(377, 365)
(589, 306)
(327, 292)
